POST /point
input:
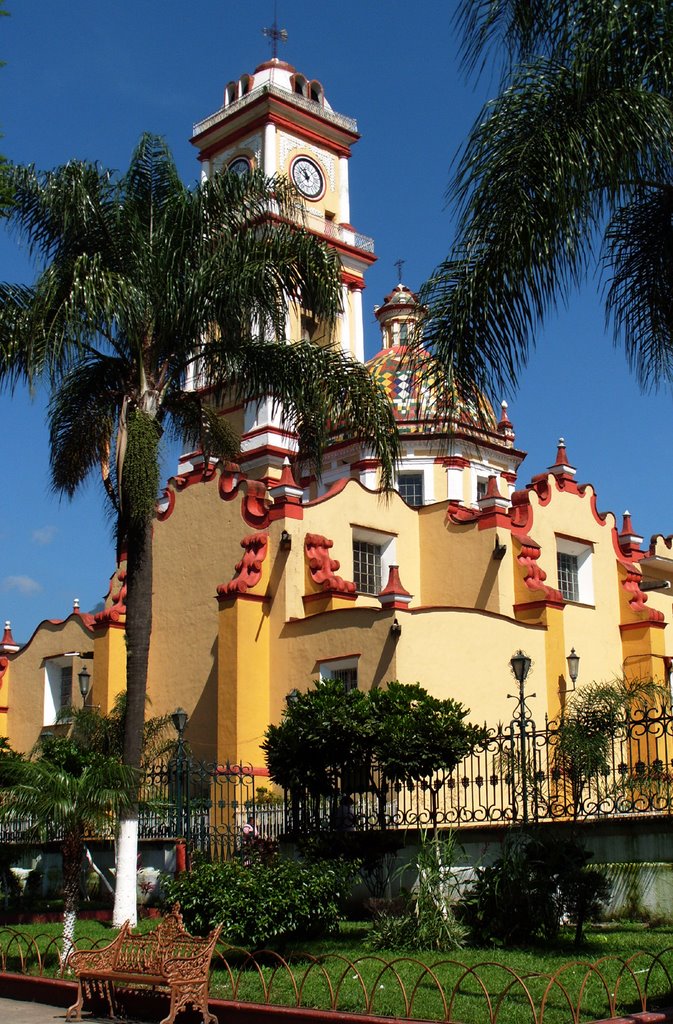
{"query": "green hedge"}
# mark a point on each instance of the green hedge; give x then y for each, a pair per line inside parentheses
(257, 902)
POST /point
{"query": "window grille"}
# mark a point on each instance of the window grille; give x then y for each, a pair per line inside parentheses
(410, 486)
(347, 676)
(568, 576)
(367, 567)
(66, 687)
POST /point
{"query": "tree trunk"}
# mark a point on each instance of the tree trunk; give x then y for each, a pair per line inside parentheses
(71, 851)
(138, 632)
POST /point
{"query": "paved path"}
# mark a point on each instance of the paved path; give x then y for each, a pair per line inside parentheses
(20, 1011)
(16, 1011)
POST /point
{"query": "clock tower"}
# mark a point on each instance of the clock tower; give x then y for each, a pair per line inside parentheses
(279, 121)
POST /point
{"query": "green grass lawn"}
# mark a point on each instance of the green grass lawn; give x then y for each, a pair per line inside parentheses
(473, 985)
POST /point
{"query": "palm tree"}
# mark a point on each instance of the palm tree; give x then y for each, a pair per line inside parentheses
(145, 285)
(569, 167)
(63, 792)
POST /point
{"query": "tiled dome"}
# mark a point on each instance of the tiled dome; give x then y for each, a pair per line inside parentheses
(412, 397)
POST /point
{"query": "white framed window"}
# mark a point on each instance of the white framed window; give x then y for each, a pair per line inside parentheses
(482, 487)
(58, 677)
(343, 669)
(575, 570)
(410, 487)
(373, 554)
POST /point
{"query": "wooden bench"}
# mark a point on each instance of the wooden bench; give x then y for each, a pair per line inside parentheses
(167, 957)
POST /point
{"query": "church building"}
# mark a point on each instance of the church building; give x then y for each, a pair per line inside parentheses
(265, 581)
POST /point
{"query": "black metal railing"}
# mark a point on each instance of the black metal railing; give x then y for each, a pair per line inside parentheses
(519, 774)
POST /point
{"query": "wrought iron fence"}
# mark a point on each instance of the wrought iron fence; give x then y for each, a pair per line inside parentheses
(519, 774)
(213, 807)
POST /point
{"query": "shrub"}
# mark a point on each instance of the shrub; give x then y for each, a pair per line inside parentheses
(373, 853)
(536, 881)
(425, 919)
(258, 902)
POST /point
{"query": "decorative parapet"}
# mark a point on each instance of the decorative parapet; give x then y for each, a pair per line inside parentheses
(111, 616)
(535, 575)
(249, 569)
(323, 568)
(637, 600)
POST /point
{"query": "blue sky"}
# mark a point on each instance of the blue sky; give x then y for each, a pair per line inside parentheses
(83, 79)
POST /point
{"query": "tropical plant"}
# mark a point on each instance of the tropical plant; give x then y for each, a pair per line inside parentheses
(61, 792)
(105, 733)
(594, 717)
(146, 286)
(568, 167)
(425, 917)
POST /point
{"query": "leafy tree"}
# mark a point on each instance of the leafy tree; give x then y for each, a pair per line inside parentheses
(569, 167)
(359, 740)
(145, 286)
(62, 792)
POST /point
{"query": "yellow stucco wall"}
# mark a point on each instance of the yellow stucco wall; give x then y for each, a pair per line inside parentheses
(231, 662)
(25, 715)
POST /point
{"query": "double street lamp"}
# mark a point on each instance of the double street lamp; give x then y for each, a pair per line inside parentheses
(521, 664)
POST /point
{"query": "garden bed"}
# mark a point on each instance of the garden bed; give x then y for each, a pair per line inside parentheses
(604, 979)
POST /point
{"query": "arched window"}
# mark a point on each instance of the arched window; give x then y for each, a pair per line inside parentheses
(299, 85)
(245, 85)
(316, 92)
(229, 93)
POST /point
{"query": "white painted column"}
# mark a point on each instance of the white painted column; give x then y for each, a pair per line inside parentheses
(344, 195)
(358, 325)
(270, 165)
(345, 320)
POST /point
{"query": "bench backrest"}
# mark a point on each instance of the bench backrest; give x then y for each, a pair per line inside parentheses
(169, 940)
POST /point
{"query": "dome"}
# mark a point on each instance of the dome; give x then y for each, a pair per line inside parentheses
(410, 387)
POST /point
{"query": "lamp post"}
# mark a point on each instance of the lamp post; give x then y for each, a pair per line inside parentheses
(84, 679)
(180, 719)
(521, 663)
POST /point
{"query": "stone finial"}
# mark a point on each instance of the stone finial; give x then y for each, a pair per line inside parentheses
(561, 466)
(394, 594)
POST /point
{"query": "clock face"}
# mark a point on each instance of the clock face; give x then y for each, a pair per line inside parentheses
(307, 177)
(239, 166)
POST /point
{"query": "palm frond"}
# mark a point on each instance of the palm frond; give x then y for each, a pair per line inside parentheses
(639, 254)
(551, 155)
(83, 414)
(199, 426)
(320, 391)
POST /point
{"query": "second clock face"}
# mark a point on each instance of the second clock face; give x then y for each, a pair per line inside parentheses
(308, 177)
(240, 166)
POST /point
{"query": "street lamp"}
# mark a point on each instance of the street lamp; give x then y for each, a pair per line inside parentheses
(573, 660)
(179, 719)
(521, 663)
(84, 679)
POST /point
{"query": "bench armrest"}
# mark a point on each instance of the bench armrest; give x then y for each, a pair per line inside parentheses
(98, 959)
